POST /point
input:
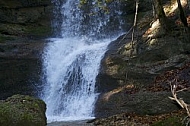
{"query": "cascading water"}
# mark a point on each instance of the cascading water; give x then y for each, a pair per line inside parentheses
(71, 62)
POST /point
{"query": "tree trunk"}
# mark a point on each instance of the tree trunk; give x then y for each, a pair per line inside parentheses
(160, 14)
(182, 14)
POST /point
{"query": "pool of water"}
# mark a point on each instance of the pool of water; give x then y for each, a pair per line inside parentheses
(71, 123)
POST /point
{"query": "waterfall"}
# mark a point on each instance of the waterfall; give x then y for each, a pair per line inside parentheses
(71, 62)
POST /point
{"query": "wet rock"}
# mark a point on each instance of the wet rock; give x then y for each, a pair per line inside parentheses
(21, 67)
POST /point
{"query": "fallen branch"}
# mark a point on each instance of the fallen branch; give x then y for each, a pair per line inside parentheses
(174, 94)
(179, 100)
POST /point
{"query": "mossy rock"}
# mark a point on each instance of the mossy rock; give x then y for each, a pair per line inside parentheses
(21, 110)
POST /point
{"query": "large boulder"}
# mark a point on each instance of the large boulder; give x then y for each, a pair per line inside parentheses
(21, 110)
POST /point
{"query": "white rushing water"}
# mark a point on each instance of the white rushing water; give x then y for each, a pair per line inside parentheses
(71, 64)
(71, 73)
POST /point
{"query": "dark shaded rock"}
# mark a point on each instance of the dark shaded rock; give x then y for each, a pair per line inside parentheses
(20, 110)
(19, 76)
(141, 103)
(23, 26)
(23, 3)
(21, 67)
(22, 15)
(25, 18)
(131, 119)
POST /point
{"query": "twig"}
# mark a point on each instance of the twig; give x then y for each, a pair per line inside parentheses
(134, 25)
(184, 89)
(126, 34)
(173, 91)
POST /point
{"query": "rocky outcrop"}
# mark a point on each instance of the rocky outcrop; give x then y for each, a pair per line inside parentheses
(137, 80)
(23, 26)
(125, 81)
(25, 18)
(20, 110)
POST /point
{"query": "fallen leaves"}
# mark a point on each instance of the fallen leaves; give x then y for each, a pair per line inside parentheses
(180, 76)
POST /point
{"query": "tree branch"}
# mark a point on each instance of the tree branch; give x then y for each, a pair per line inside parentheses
(133, 27)
(134, 23)
(179, 100)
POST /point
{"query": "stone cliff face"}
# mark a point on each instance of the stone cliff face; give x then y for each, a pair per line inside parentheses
(23, 26)
(25, 18)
